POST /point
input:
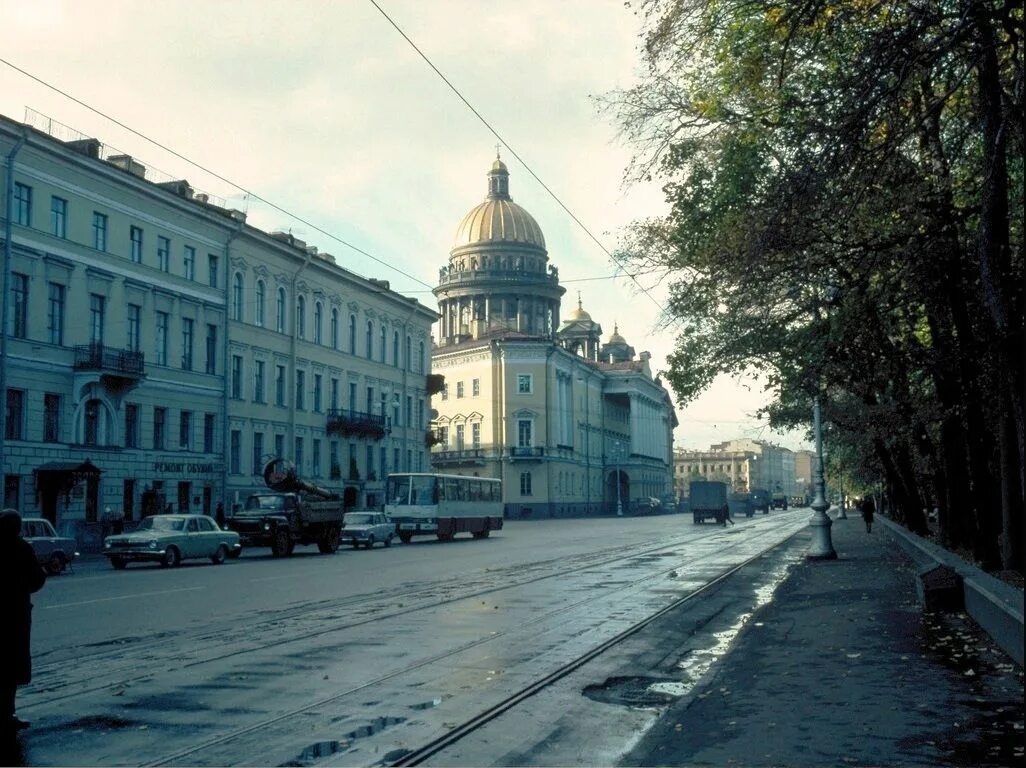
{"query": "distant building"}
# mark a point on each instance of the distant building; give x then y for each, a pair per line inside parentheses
(568, 422)
(743, 463)
(158, 349)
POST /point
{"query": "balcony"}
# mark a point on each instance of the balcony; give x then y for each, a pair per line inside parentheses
(526, 452)
(116, 369)
(468, 457)
(348, 423)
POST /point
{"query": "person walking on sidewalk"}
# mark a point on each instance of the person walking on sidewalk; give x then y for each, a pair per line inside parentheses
(20, 576)
(868, 509)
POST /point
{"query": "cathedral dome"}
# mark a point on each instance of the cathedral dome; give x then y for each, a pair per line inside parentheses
(578, 314)
(615, 337)
(498, 219)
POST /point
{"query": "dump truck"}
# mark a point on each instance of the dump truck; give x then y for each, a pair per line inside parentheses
(295, 512)
(708, 498)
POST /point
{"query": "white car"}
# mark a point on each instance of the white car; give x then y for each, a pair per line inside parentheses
(367, 528)
(53, 552)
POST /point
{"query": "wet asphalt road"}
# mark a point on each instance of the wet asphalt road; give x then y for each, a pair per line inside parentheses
(348, 659)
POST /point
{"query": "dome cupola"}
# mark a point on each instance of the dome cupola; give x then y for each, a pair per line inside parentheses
(498, 220)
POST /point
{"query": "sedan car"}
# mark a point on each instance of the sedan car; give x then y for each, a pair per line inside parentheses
(53, 552)
(367, 528)
(169, 539)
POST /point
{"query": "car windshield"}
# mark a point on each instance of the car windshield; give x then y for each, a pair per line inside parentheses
(358, 519)
(159, 523)
(255, 502)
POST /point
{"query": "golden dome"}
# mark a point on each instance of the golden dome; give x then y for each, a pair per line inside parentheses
(498, 219)
(578, 314)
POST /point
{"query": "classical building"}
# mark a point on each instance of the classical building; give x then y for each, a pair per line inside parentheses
(571, 425)
(156, 346)
(743, 463)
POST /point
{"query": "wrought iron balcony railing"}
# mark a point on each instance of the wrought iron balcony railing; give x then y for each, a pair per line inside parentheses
(98, 357)
(527, 452)
(349, 423)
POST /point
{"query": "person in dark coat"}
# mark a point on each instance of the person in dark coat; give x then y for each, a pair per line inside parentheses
(219, 514)
(20, 576)
(868, 510)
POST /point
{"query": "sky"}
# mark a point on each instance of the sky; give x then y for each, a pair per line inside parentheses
(324, 110)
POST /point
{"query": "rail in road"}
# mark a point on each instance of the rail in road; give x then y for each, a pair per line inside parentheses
(716, 553)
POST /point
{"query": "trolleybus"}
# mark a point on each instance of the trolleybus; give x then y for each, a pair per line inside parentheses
(443, 505)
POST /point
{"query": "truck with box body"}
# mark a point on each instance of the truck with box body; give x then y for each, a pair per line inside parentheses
(708, 498)
(296, 512)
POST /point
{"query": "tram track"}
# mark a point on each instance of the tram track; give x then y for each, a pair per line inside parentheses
(193, 755)
(143, 668)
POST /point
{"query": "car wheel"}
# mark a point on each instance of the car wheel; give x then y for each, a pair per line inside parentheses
(56, 564)
(405, 538)
(280, 544)
(119, 563)
(220, 555)
(370, 541)
(329, 543)
(172, 558)
(388, 540)
(481, 534)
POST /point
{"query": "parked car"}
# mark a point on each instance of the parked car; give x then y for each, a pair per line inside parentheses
(367, 528)
(170, 539)
(53, 552)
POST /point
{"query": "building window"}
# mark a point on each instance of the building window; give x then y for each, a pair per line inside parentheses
(334, 328)
(443, 437)
(187, 336)
(395, 349)
(261, 302)
(315, 450)
(279, 387)
(279, 324)
(258, 453)
(370, 340)
(163, 254)
(524, 383)
(299, 455)
(420, 413)
(370, 463)
(445, 391)
(131, 425)
(211, 349)
(300, 390)
(384, 336)
(525, 483)
(334, 393)
(475, 435)
(524, 433)
(461, 434)
(97, 312)
(159, 424)
(51, 418)
(23, 204)
(317, 392)
(409, 363)
(15, 426)
(301, 317)
(318, 319)
(59, 216)
(19, 305)
(459, 389)
(475, 387)
(236, 377)
(99, 231)
(334, 468)
(160, 338)
(258, 381)
(212, 270)
(55, 314)
(135, 236)
(209, 422)
(189, 263)
(91, 425)
(279, 445)
(409, 410)
(133, 321)
(235, 453)
(237, 297)
(352, 334)
(352, 396)
(185, 430)
(420, 358)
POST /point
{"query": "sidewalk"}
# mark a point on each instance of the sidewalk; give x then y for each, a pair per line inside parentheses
(844, 668)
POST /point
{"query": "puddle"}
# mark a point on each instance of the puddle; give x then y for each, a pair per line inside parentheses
(633, 691)
(427, 704)
(317, 751)
(376, 725)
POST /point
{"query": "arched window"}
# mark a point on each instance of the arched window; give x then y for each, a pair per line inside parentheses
(420, 358)
(384, 336)
(280, 317)
(318, 317)
(301, 317)
(91, 423)
(237, 296)
(334, 328)
(395, 349)
(260, 301)
(352, 334)
(409, 353)
(370, 340)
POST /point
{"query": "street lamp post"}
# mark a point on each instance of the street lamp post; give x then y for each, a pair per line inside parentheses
(619, 502)
(821, 547)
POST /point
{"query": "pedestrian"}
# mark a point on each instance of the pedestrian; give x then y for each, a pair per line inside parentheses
(726, 517)
(20, 576)
(219, 514)
(868, 509)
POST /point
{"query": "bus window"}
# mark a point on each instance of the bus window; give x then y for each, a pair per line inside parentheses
(425, 490)
(398, 490)
(452, 489)
(475, 490)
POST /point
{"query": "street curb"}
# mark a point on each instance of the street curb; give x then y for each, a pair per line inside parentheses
(997, 607)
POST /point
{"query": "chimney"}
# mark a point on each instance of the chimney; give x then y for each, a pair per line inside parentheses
(87, 147)
(201, 197)
(237, 215)
(126, 163)
(179, 187)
